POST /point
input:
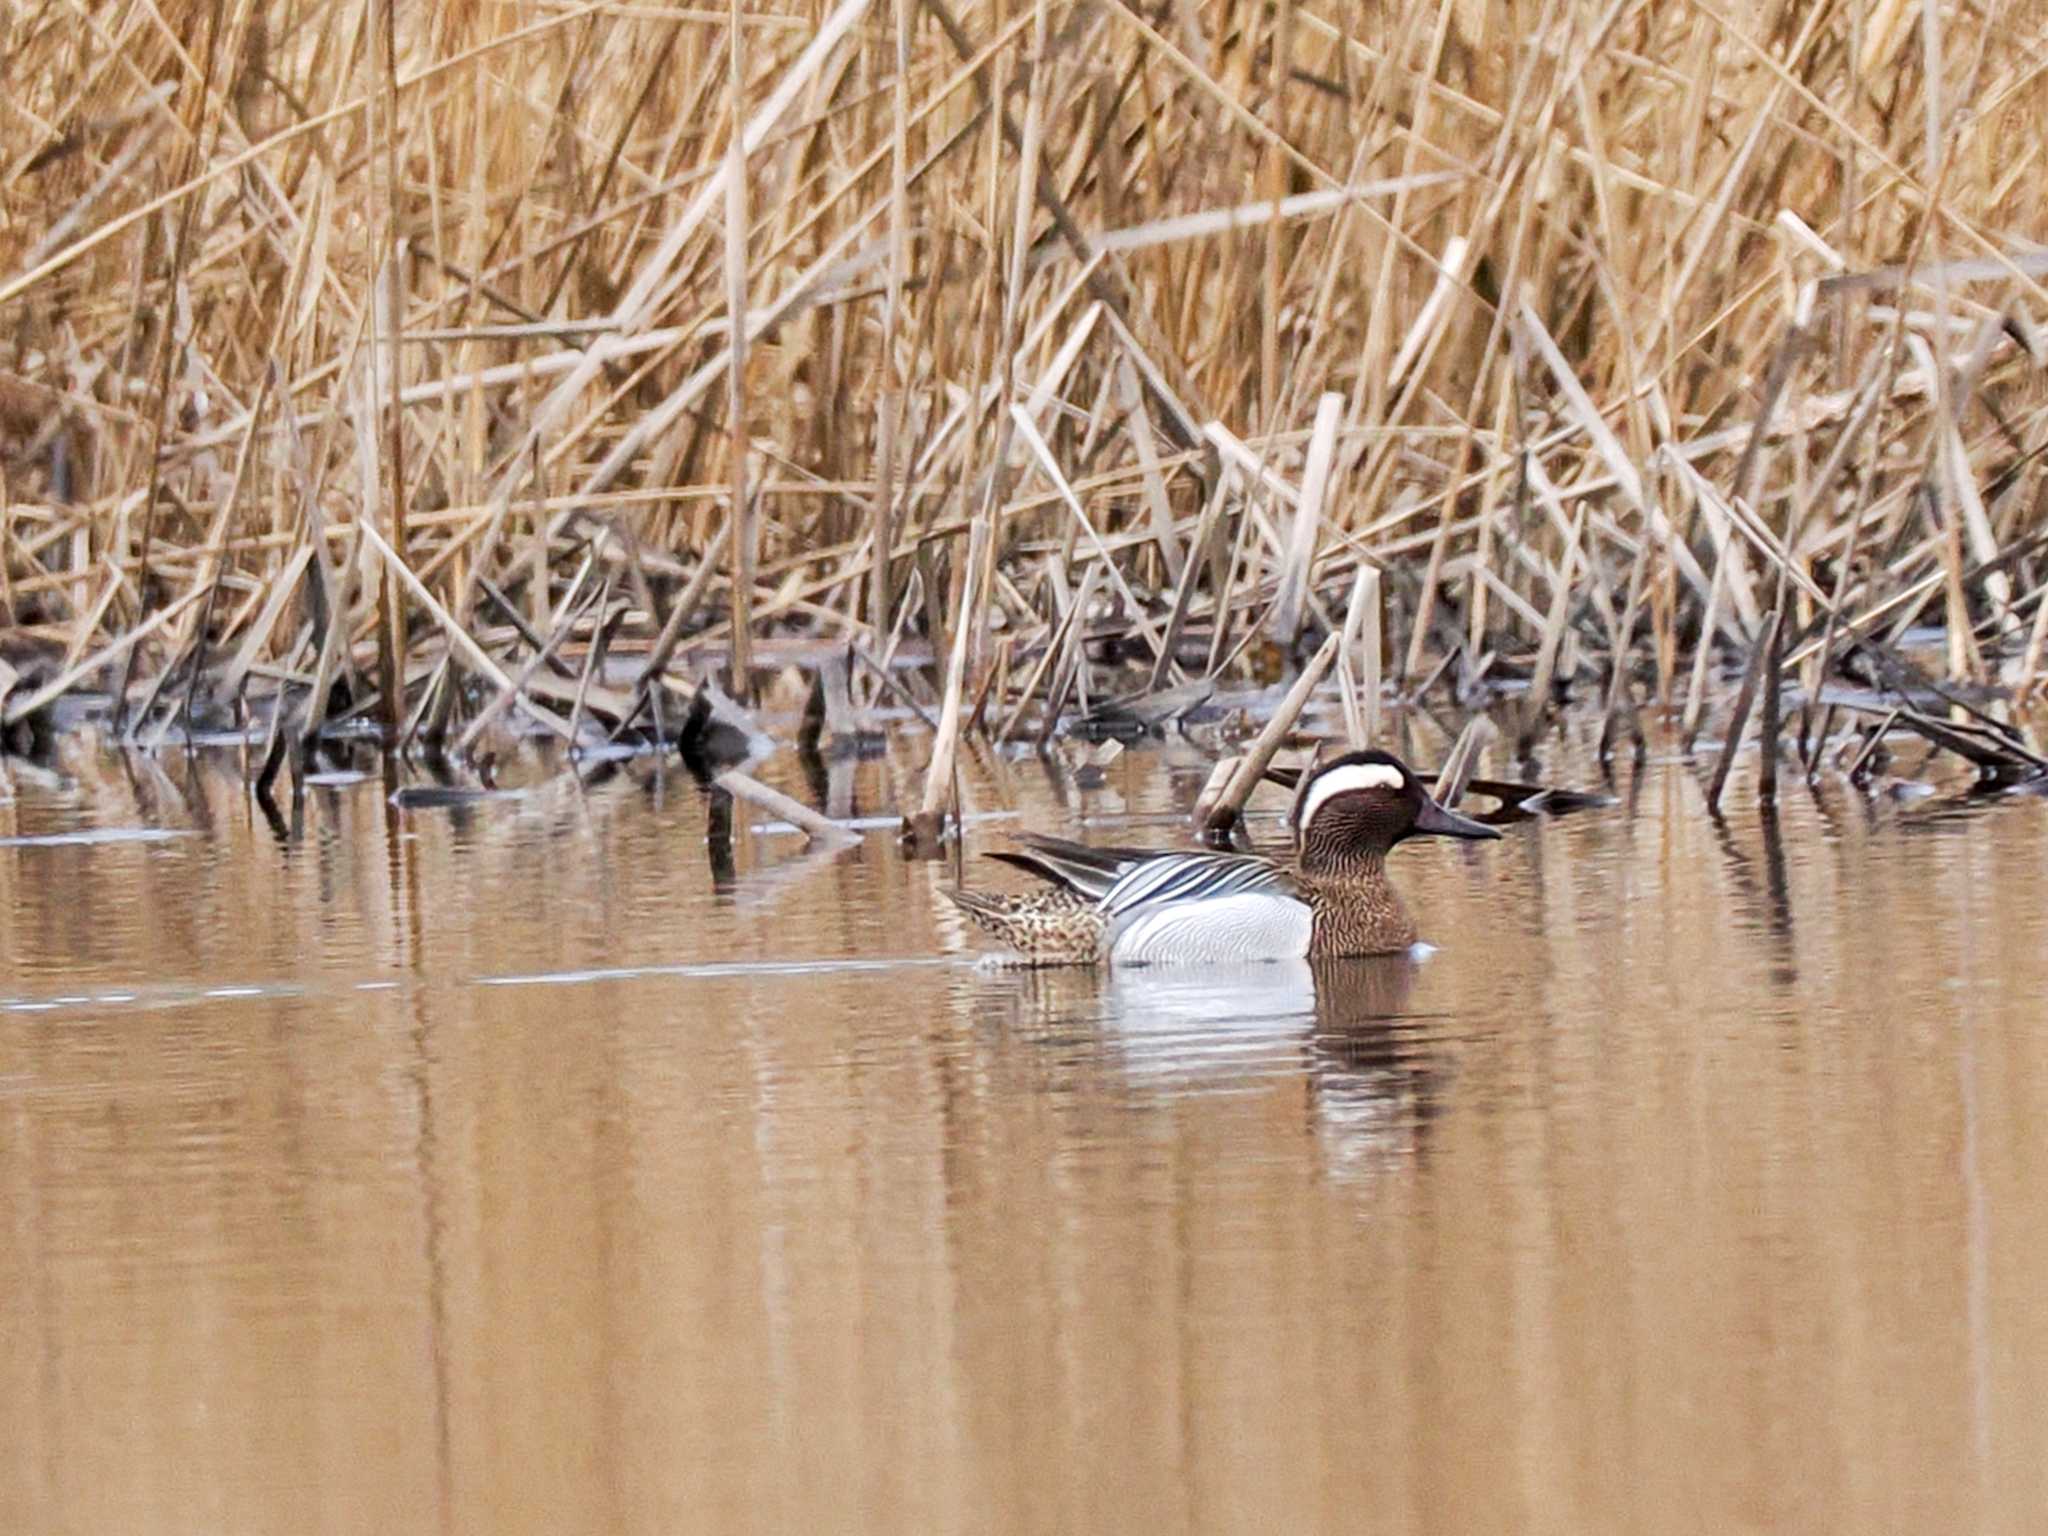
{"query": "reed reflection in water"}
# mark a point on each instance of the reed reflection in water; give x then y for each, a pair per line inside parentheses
(512, 1169)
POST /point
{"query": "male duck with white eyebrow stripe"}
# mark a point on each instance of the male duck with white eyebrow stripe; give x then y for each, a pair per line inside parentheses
(1137, 906)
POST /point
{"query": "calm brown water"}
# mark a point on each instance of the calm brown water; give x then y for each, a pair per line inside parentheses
(514, 1169)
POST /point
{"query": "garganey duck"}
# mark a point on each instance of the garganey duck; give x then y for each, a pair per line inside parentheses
(1142, 906)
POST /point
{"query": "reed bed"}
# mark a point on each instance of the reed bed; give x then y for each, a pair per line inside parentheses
(470, 368)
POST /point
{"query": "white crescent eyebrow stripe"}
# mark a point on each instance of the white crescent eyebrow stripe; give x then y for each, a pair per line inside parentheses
(1346, 780)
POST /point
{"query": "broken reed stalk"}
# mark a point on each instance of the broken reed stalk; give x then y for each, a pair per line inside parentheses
(1770, 722)
(1070, 667)
(816, 828)
(390, 310)
(1284, 619)
(1224, 812)
(542, 656)
(600, 644)
(745, 546)
(106, 655)
(1358, 665)
(1537, 709)
(1190, 572)
(460, 638)
(926, 829)
(198, 121)
(1738, 714)
(1456, 773)
(1620, 691)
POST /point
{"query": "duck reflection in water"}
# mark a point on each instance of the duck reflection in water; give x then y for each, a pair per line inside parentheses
(1371, 1070)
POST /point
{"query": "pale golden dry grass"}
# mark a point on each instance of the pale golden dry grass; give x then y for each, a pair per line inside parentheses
(1573, 320)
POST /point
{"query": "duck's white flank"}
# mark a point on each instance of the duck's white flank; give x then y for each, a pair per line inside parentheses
(1343, 781)
(1253, 925)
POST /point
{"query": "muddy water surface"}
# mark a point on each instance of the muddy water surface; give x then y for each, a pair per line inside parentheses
(538, 1166)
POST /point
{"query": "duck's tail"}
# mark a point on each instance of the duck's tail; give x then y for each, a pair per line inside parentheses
(1053, 927)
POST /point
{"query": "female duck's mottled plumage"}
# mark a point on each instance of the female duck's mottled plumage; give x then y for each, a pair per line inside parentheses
(1136, 906)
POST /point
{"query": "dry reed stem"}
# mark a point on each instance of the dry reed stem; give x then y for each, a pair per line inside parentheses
(1222, 813)
(816, 828)
(1359, 659)
(1760, 657)
(1463, 761)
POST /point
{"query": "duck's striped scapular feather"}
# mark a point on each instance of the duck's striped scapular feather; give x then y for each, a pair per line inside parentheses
(1121, 880)
(1084, 870)
(1195, 876)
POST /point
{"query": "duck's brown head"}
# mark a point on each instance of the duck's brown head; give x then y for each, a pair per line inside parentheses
(1353, 808)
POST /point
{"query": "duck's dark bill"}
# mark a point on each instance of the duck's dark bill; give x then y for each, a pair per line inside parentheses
(1434, 818)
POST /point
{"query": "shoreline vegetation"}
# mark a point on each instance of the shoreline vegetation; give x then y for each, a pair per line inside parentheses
(475, 371)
